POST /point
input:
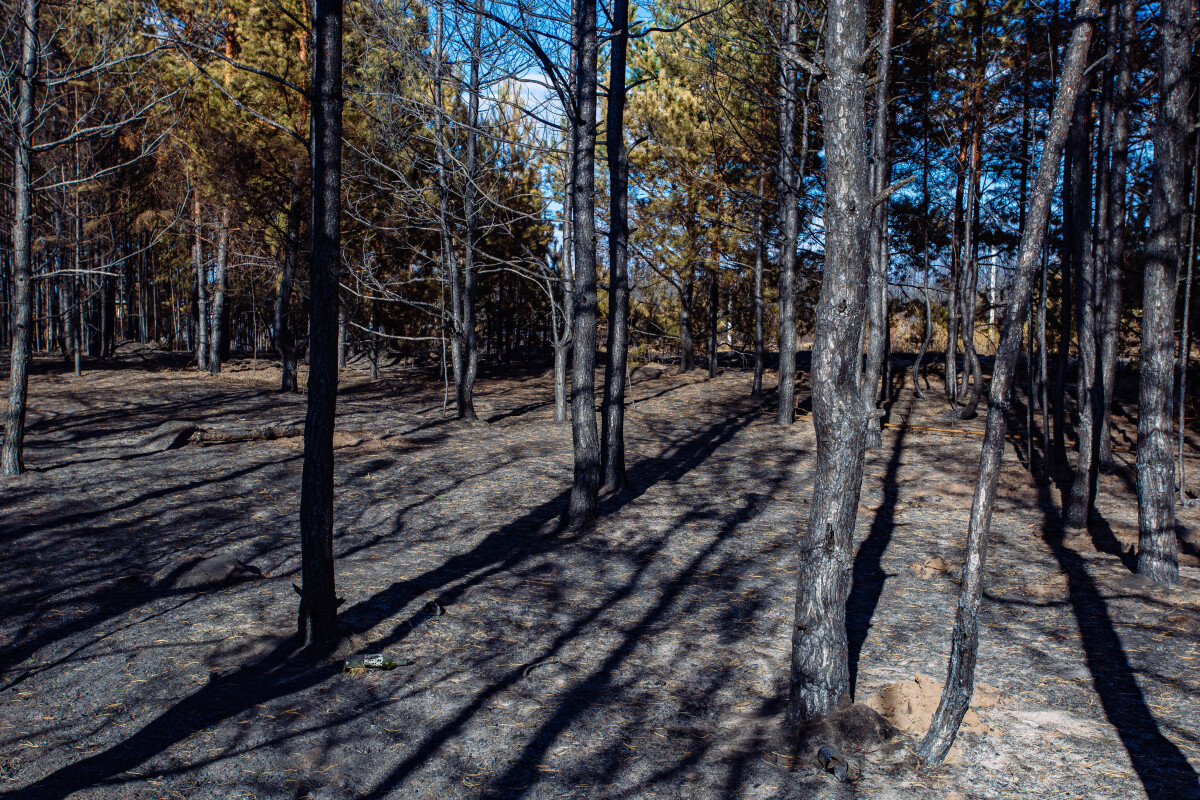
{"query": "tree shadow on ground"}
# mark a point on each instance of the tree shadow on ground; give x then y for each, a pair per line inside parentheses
(1162, 768)
(286, 669)
(869, 576)
(522, 772)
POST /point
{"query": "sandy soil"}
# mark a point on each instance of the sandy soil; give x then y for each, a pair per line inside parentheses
(646, 658)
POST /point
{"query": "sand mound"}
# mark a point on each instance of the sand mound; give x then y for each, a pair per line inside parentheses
(909, 705)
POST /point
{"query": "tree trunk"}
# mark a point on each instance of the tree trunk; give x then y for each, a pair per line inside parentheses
(759, 246)
(1079, 503)
(960, 677)
(201, 286)
(1065, 315)
(1158, 557)
(1185, 333)
(613, 411)
(970, 259)
(317, 616)
(789, 211)
(22, 241)
(291, 255)
(956, 268)
(445, 225)
(877, 286)
(820, 674)
(581, 508)
(714, 309)
(1115, 261)
(466, 405)
(218, 304)
(687, 346)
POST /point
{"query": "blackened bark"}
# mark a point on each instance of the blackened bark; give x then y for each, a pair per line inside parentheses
(956, 268)
(318, 601)
(687, 345)
(291, 255)
(445, 224)
(970, 259)
(466, 399)
(877, 286)
(820, 674)
(759, 258)
(22, 250)
(1158, 557)
(969, 290)
(1079, 502)
(960, 677)
(612, 457)
(1058, 453)
(218, 305)
(1115, 261)
(581, 507)
(1185, 333)
(714, 319)
(202, 328)
(789, 211)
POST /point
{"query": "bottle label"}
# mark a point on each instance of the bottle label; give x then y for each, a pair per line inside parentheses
(375, 662)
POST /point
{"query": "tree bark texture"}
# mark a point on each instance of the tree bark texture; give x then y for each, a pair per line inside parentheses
(1157, 548)
(12, 456)
(877, 286)
(820, 673)
(216, 340)
(318, 601)
(789, 211)
(1118, 172)
(960, 677)
(1079, 504)
(466, 400)
(202, 327)
(291, 255)
(613, 407)
(759, 258)
(581, 507)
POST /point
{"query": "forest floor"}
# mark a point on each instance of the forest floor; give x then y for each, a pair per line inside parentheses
(644, 658)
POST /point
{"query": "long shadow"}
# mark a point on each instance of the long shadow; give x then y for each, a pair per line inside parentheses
(584, 693)
(868, 578)
(1163, 769)
(110, 598)
(279, 673)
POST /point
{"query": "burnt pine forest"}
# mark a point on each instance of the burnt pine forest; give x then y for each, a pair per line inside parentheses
(693, 399)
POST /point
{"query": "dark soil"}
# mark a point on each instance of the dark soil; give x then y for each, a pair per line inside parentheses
(644, 658)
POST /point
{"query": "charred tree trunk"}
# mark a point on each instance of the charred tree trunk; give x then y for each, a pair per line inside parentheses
(1118, 171)
(1158, 557)
(789, 211)
(287, 273)
(1079, 503)
(202, 327)
(714, 299)
(581, 508)
(687, 344)
(318, 598)
(612, 458)
(960, 678)
(466, 401)
(820, 674)
(1065, 316)
(877, 286)
(217, 338)
(445, 224)
(22, 244)
(759, 258)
